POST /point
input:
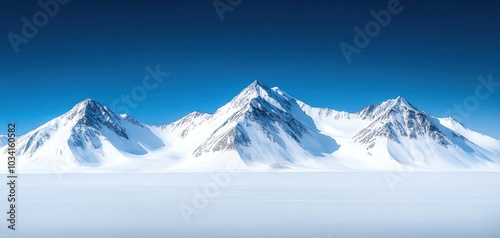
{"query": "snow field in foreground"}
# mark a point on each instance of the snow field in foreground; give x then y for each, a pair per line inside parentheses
(303, 204)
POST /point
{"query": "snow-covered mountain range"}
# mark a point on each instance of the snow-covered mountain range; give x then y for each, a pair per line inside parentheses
(260, 128)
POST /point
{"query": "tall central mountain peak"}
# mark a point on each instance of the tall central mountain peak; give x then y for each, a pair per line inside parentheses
(253, 92)
(262, 113)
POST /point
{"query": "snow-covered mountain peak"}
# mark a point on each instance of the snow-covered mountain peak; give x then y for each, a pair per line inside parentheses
(91, 114)
(257, 83)
(255, 90)
(89, 134)
(402, 102)
(86, 104)
(188, 123)
(86, 108)
(397, 119)
(386, 108)
(263, 120)
(397, 104)
(400, 99)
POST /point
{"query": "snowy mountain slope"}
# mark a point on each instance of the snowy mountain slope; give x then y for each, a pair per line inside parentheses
(267, 127)
(395, 132)
(260, 128)
(411, 136)
(87, 135)
(477, 138)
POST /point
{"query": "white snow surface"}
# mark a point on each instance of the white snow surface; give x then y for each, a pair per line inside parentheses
(262, 128)
(262, 204)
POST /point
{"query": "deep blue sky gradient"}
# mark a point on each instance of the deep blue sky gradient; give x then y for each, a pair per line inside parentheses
(431, 54)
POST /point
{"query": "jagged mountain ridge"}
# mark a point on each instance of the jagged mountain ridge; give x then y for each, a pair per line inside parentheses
(262, 126)
(86, 134)
(398, 118)
(265, 114)
(404, 125)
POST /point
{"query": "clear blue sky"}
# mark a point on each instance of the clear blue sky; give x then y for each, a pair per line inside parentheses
(431, 53)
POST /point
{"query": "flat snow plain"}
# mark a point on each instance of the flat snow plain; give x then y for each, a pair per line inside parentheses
(257, 204)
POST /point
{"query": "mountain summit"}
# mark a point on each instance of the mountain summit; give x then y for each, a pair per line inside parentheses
(89, 134)
(265, 126)
(260, 128)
